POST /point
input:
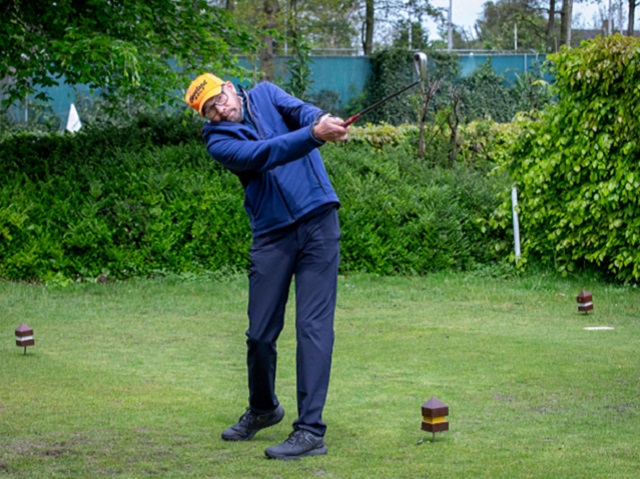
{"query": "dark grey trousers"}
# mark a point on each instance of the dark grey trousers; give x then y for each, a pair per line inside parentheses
(310, 252)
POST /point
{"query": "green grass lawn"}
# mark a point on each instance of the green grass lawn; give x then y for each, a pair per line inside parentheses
(138, 379)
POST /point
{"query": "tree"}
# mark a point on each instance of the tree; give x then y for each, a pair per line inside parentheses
(565, 22)
(487, 94)
(270, 9)
(369, 19)
(142, 49)
(495, 29)
(461, 38)
(550, 37)
(393, 16)
(562, 34)
(330, 24)
(326, 24)
(299, 70)
(632, 15)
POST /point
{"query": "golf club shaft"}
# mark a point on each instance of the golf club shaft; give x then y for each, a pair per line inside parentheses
(378, 103)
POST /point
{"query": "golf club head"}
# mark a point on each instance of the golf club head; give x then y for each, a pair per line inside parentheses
(420, 62)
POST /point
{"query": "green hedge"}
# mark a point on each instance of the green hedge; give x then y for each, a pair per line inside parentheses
(576, 165)
(146, 199)
(399, 214)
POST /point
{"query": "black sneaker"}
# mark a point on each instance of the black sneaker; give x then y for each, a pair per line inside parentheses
(299, 444)
(250, 423)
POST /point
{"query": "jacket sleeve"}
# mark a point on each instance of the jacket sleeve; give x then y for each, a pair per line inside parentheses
(241, 154)
(295, 112)
(232, 147)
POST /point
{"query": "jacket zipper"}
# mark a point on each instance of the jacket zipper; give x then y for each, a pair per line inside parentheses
(262, 136)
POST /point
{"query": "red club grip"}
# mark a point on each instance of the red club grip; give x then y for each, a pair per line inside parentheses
(350, 120)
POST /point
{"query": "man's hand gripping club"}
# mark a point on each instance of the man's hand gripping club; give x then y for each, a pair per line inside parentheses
(330, 128)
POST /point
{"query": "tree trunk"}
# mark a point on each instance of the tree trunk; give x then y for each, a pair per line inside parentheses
(367, 43)
(293, 20)
(453, 120)
(550, 25)
(270, 9)
(427, 95)
(632, 14)
(565, 22)
(228, 4)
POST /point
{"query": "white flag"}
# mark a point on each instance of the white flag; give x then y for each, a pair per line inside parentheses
(73, 123)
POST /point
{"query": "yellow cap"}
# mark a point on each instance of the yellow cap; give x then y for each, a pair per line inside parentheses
(201, 89)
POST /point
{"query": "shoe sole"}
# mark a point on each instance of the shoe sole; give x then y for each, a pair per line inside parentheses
(319, 451)
(275, 421)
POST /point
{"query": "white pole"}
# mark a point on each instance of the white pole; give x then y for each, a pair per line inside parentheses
(286, 14)
(515, 36)
(516, 223)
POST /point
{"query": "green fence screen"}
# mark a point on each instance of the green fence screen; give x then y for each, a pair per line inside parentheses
(342, 77)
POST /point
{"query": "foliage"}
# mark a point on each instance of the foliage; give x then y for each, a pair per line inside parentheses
(379, 136)
(409, 35)
(457, 100)
(327, 100)
(330, 24)
(327, 24)
(116, 201)
(141, 50)
(487, 95)
(39, 116)
(444, 66)
(576, 166)
(495, 28)
(531, 91)
(403, 216)
(145, 198)
(391, 69)
(300, 81)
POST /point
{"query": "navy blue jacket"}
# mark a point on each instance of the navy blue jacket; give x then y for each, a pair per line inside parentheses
(278, 163)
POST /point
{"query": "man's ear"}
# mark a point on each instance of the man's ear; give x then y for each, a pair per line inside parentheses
(230, 85)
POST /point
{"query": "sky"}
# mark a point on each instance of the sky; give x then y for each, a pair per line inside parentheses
(466, 12)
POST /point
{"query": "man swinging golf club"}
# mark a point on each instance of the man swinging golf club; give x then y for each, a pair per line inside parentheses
(270, 140)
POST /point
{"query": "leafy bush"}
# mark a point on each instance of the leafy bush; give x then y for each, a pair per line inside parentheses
(110, 202)
(391, 69)
(400, 216)
(39, 116)
(482, 94)
(487, 94)
(146, 199)
(576, 165)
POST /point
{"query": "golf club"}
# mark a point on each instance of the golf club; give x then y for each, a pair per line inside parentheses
(420, 63)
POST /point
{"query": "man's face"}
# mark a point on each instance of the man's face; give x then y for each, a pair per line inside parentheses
(224, 107)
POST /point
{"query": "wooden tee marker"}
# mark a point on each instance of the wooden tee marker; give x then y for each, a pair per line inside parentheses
(434, 416)
(24, 336)
(585, 303)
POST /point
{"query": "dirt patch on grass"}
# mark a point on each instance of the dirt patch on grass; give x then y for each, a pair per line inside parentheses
(622, 407)
(55, 452)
